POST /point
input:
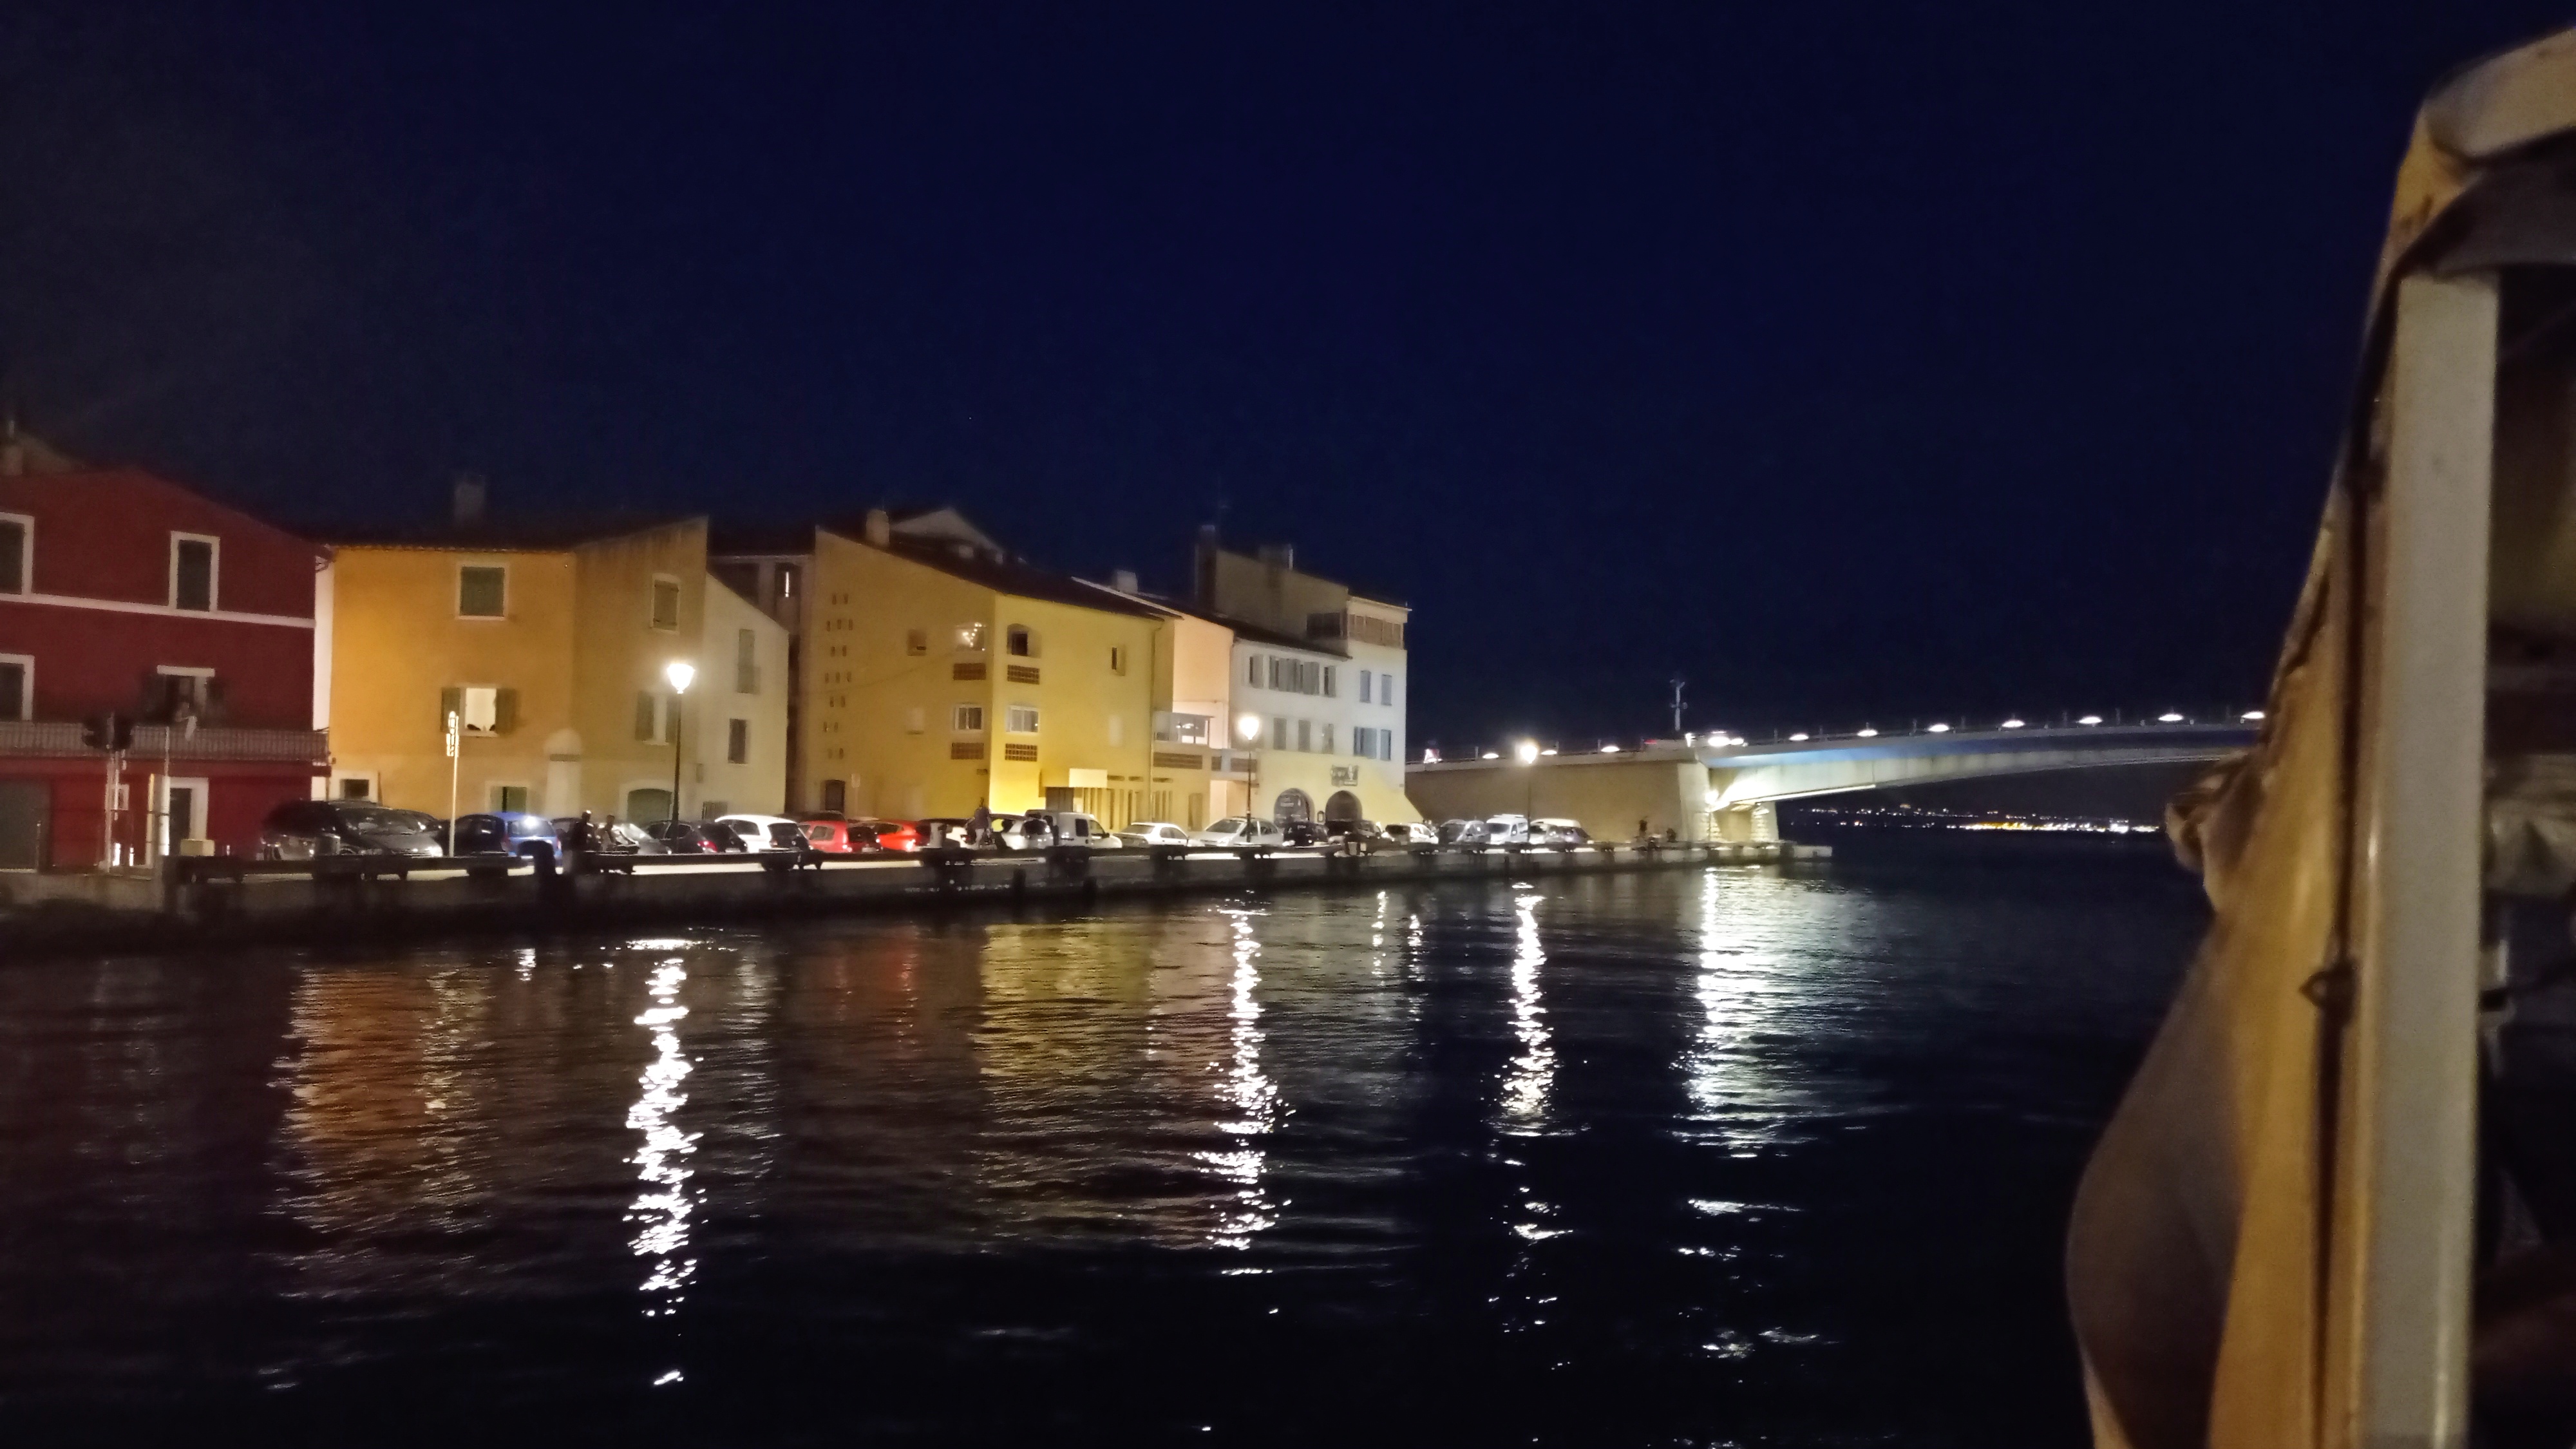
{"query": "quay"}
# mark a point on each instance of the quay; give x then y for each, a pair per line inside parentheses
(201, 904)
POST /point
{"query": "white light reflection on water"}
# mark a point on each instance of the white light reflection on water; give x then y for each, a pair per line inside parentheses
(1531, 1077)
(661, 1209)
(1735, 1097)
(1253, 1097)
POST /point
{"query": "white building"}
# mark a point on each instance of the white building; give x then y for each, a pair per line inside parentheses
(738, 707)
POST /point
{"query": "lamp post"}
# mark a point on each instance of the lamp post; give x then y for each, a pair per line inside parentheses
(679, 673)
(1247, 728)
(1527, 753)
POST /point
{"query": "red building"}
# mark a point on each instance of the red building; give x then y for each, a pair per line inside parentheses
(124, 594)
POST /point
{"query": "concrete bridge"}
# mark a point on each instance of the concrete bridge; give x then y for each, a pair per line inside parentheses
(1706, 791)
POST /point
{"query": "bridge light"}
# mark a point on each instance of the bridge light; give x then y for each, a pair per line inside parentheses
(1609, 749)
(1938, 729)
(2090, 719)
(2251, 716)
(2012, 724)
(2169, 717)
(1867, 733)
(1800, 735)
(1526, 752)
(1490, 755)
(1547, 752)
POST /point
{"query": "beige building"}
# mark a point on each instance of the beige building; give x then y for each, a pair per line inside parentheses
(549, 640)
(1318, 685)
(736, 710)
(1616, 796)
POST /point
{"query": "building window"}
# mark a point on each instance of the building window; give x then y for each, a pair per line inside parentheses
(192, 572)
(480, 709)
(737, 741)
(967, 719)
(1278, 732)
(17, 550)
(1364, 686)
(1117, 659)
(916, 641)
(176, 688)
(836, 796)
(787, 575)
(1324, 737)
(510, 799)
(17, 692)
(1332, 690)
(914, 720)
(1386, 689)
(648, 715)
(1019, 642)
(1306, 735)
(1252, 670)
(746, 662)
(666, 603)
(482, 591)
(1021, 719)
(356, 787)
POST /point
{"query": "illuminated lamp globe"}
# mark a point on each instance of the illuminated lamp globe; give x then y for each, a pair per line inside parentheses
(1526, 752)
(1247, 727)
(680, 672)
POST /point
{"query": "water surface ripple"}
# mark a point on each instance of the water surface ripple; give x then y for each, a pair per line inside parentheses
(1735, 1156)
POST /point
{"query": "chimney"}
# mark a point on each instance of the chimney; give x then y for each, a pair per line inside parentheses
(471, 494)
(1123, 580)
(880, 527)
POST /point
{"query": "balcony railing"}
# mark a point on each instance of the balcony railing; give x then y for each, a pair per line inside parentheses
(62, 739)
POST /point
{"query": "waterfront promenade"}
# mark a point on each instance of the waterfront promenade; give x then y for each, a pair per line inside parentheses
(226, 903)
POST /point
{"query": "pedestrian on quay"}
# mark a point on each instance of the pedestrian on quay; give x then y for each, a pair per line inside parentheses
(979, 827)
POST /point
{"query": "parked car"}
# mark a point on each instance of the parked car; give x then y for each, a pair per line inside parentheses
(1301, 833)
(303, 829)
(1409, 833)
(1462, 832)
(833, 835)
(1562, 834)
(1154, 832)
(768, 832)
(696, 837)
(1040, 829)
(507, 832)
(937, 832)
(1238, 831)
(1507, 830)
(891, 834)
(1359, 833)
(609, 836)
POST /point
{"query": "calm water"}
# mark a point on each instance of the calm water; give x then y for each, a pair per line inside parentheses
(1734, 1157)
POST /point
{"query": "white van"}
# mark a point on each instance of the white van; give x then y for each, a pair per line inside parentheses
(1507, 830)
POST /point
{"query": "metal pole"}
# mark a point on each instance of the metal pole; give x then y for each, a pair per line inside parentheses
(675, 754)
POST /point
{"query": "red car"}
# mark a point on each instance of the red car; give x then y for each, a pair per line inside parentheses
(836, 835)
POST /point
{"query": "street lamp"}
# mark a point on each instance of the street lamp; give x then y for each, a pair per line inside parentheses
(1247, 728)
(680, 672)
(1527, 753)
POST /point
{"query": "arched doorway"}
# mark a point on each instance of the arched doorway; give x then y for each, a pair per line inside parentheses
(1343, 807)
(1292, 805)
(646, 806)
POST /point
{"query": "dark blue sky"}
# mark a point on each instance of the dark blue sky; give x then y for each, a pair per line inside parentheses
(1886, 360)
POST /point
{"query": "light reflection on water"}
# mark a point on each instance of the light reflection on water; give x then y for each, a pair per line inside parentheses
(1644, 1160)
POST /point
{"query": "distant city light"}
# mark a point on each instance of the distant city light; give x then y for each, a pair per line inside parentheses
(1939, 729)
(2090, 719)
(1867, 733)
(2012, 724)
(1800, 735)
(2169, 717)
(1526, 752)
(2251, 714)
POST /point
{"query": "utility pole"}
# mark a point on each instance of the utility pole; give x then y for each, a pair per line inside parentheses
(455, 730)
(1677, 704)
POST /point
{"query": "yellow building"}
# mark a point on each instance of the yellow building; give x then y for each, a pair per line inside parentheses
(551, 642)
(939, 673)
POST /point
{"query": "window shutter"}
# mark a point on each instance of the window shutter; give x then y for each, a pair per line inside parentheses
(1252, 670)
(644, 715)
(505, 711)
(450, 701)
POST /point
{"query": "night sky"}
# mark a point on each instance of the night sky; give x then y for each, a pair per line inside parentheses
(1855, 361)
